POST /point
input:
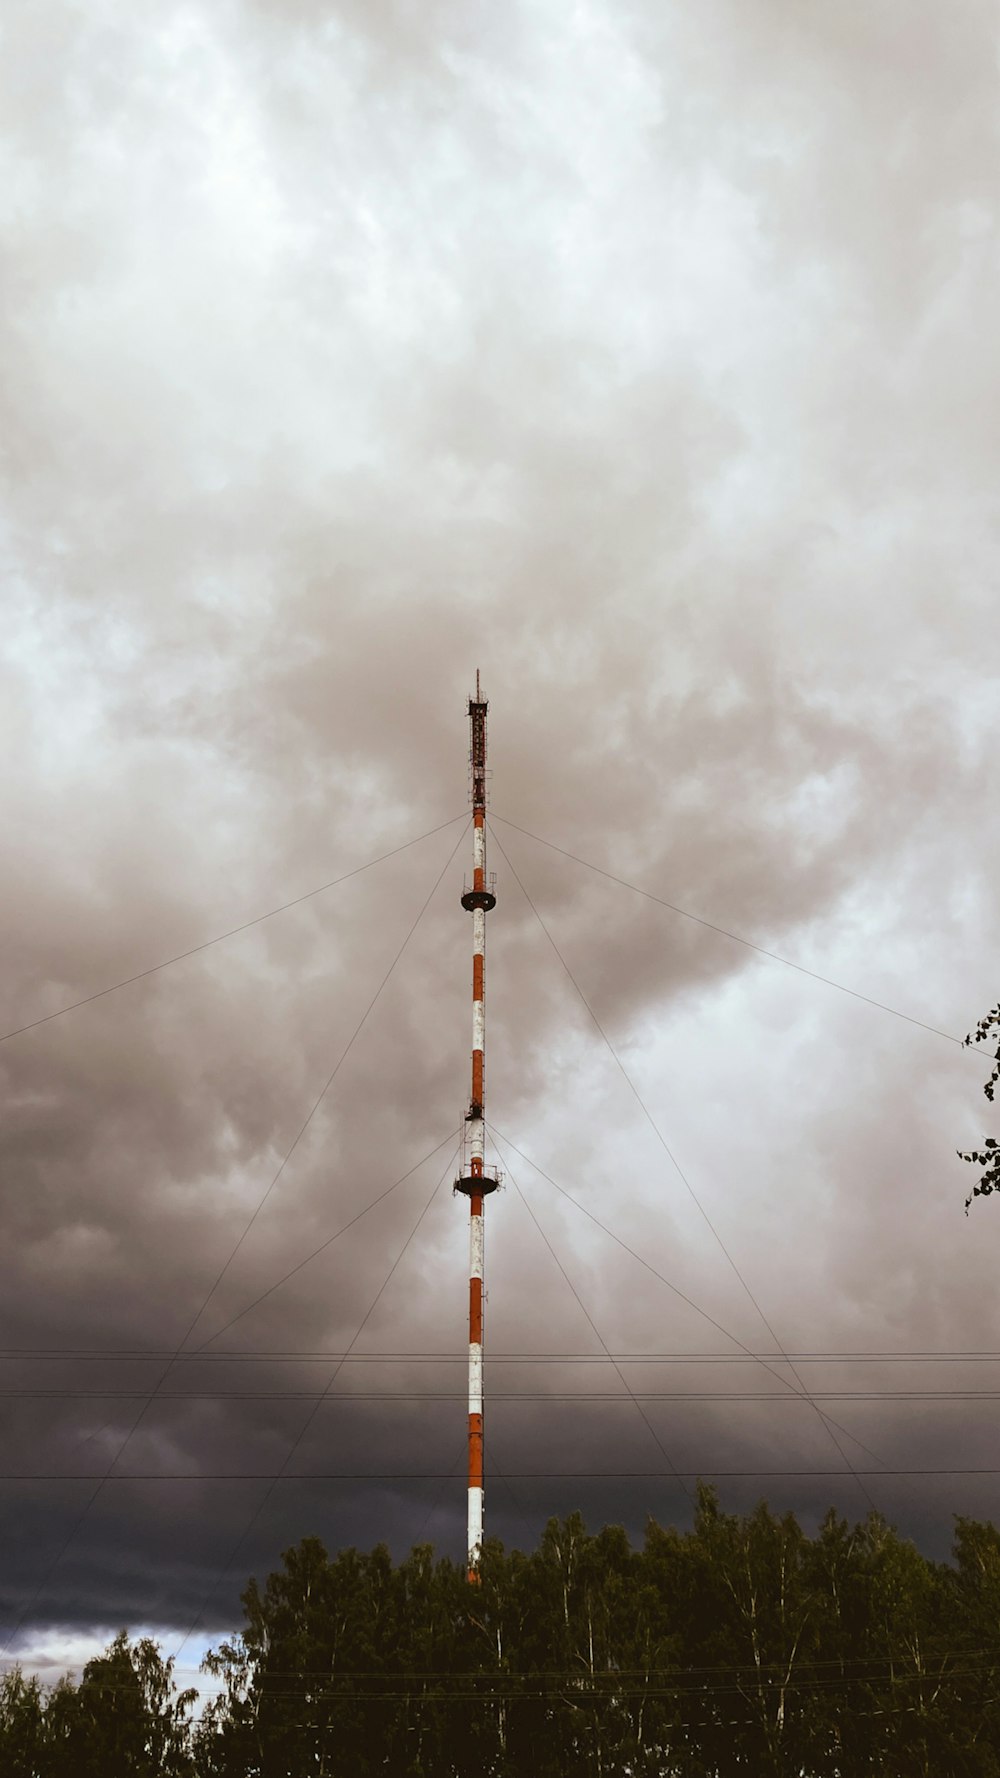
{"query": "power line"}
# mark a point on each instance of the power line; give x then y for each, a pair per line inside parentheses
(746, 1355)
(425, 1699)
(533, 1395)
(523, 1475)
(341, 1687)
(232, 932)
(975, 1660)
(737, 938)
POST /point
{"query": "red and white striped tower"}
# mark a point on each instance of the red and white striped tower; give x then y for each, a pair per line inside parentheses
(474, 1181)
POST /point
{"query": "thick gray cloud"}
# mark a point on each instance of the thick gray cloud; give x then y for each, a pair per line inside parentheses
(645, 359)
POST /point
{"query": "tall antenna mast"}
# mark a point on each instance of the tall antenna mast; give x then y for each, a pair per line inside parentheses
(474, 1181)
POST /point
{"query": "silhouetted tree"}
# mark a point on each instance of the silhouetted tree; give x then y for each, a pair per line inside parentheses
(124, 1720)
(21, 1724)
(742, 1648)
(987, 1157)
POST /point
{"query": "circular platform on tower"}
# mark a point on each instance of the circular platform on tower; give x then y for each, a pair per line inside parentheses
(479, 898)
(471, 1183)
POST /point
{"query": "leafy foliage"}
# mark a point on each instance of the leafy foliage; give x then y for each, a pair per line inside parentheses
(125, 1719)
(740, 1647)
(743, 1648)
(987, 1157)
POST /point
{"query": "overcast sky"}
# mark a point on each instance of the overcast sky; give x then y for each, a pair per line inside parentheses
(644, 356)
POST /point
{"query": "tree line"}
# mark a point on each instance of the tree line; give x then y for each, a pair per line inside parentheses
(741, 1646)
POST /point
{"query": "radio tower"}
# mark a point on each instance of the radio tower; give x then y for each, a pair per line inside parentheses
(474, 1181)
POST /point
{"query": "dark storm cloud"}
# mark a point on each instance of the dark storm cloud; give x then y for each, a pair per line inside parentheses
(647, 363)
